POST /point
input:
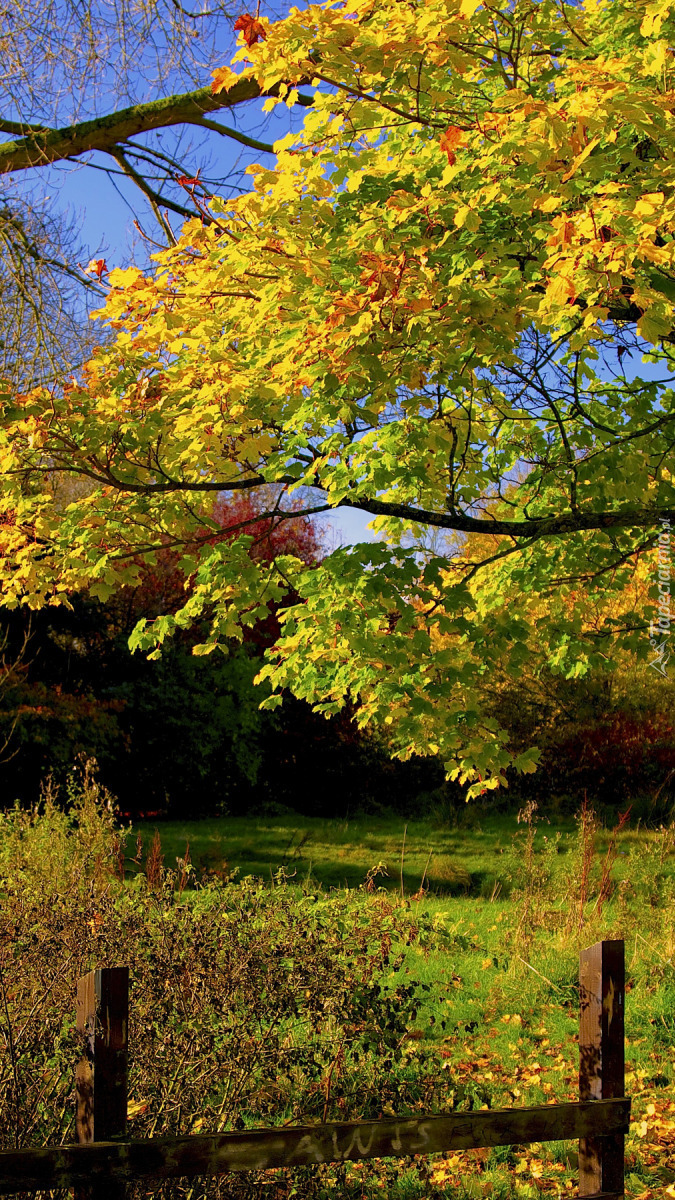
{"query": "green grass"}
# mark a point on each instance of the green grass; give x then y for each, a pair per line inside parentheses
(459, 861)
(503, 998)
(476, 889)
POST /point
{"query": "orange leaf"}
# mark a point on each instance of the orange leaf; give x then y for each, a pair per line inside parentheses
(188, 182)
(251, 28)
(97, 267)
(450, 140)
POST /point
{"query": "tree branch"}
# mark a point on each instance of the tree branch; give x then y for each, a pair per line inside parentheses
(154, 197)
(41, 146)
(225, 131)
(20, 128)
(531, 528)
(536, 527)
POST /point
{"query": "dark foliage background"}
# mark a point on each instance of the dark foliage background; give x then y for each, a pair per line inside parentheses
(183, 736)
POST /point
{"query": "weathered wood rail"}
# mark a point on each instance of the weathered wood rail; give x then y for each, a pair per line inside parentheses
(104, 1161)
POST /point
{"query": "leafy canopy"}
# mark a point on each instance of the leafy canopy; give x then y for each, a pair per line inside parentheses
(432, 309)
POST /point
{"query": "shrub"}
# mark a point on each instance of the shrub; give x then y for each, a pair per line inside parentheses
(249, 1005)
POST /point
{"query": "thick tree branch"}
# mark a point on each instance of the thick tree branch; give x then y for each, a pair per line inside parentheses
(537, 527)
(41, 146)
(641, 516)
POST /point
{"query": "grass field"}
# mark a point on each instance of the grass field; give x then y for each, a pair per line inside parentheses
(517, 901)
(481, 922)
(468, 859)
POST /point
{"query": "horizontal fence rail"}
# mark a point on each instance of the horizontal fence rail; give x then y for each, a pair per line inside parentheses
(305, 1145)
(104, 1161)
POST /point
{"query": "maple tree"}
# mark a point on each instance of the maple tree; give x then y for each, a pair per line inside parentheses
(432, 308)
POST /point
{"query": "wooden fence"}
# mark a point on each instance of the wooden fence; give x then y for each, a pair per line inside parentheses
(103, 1161)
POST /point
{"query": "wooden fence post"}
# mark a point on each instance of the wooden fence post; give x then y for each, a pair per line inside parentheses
(101, 1076)
(601, 1061)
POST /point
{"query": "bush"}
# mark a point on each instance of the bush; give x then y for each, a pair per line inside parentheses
(249, 1005)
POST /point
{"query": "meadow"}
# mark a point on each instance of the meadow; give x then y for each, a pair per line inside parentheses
(417, 966)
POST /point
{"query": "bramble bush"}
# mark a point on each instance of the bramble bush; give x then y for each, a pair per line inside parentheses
(250, 1005)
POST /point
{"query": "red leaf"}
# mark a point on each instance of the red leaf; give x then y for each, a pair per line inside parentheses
(450, 140)
(186, 182)
(251, 28)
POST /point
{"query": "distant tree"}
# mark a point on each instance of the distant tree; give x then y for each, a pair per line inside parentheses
(182, 734)
(602, 724)
(44, 325)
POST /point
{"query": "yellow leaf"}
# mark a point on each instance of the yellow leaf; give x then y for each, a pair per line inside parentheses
(654, 17)
(132, 277)
(135, 1108)
(581, 158)
(655, 57)
(549, 204)
(466, 216)
(468, 7)
(648, 204)
(223, 79)
(509, 99)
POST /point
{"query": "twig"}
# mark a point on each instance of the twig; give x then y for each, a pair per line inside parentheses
(425, 869)
(337, 1058)
(12, 1058)
(402, 853)
(531, 968)
(653, 949)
